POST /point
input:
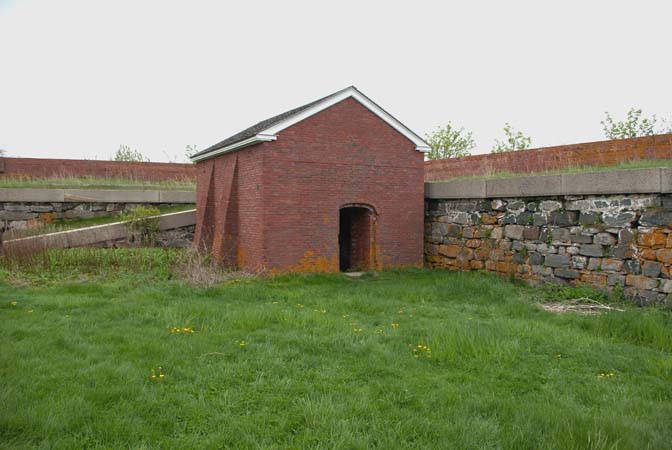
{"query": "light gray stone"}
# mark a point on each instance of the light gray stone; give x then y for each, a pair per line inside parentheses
(549, 206)
(514, 231)
(619, 219)
(557, 261)
(604, 239)
(591, 250)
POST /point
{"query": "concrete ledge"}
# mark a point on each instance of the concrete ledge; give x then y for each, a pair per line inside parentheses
(100, 233)
(637, 181)
(456, 189)
(524, 186)
(96, 196)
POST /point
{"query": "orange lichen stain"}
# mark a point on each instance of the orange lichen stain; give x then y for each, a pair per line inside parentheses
(48, 217)
(241, 257)
(326, 220)
(314, 262)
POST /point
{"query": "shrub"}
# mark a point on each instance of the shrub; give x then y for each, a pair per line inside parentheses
(143, 223)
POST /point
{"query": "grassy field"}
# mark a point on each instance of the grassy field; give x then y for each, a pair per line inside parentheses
(72, 224)
(95, 183)
(104, 356)
(628, 165)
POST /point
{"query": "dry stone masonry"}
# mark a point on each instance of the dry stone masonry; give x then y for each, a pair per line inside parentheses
(606, 241)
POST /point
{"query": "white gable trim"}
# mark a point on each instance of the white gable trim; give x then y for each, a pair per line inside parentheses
(271, 133)
(420, 145)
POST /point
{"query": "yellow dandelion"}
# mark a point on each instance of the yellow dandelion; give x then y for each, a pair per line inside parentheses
(395, 325)
(13, 303)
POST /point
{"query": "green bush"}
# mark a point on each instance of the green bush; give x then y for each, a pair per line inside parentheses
(143, 223)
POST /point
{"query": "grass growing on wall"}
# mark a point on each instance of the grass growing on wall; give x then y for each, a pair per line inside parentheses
(629, 165)
(409, 359)
(95, 183)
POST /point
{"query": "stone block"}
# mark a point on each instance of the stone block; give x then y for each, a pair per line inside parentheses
(615, 279)
(531, 233)
(651, 269)
(666, 286)
(604, 239)
(595, 264)
(539, 219)
(581, 238)
(560, 234)
(453, 230)
(579, 262)
(664, 255)
(618, 219)
(514, 231)
(656, 218)
(640, 282)
(567, 273)
(549, 206)
(590, 218)
(655, 239)
(613, 265)
(557, 261)
(497, 233)
(632, 266)
(593, 278)
(450, 251)
(563, 218)
(591, 250)
(536, 259)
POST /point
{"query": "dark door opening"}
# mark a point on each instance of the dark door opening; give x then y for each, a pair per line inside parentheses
(355, 238)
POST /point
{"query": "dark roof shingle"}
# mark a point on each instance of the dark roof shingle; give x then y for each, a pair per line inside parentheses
(261, 126)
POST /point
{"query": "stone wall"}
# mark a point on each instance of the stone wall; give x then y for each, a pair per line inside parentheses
(605, 241)
(603, 153)
(22, 215)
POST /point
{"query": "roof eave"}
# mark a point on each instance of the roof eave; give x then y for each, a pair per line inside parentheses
(261, 137)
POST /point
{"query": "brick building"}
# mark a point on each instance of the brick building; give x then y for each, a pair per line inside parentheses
(336, 184)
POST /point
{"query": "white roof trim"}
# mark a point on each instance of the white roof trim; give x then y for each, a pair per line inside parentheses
(270, 134)
(250, 141)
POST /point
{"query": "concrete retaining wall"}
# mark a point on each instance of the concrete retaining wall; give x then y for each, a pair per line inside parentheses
(84, 237)
(96, 196)
(636, 181)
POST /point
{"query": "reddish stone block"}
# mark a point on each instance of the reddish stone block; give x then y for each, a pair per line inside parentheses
(474, 243)
(450, 251)
(641, 282)
(476, 265)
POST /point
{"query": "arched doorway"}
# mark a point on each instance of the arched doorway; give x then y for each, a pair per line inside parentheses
(356, 237)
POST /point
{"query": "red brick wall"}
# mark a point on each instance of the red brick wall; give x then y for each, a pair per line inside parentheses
(49, 168)
(603, 153)
(290, 191)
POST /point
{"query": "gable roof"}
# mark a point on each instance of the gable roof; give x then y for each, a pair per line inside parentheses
(267, 130)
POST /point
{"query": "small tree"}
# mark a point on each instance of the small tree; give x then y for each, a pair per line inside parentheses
(635, 125)
(450, 142)
(514, 140)
(125, 153)
(190, 150)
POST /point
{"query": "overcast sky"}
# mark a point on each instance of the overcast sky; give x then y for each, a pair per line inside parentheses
(80, 77)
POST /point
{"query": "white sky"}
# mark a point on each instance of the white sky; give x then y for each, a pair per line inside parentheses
(80, 77)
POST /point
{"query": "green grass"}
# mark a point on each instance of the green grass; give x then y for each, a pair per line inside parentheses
(76, 360)
(628, 165)
(72, 224)
(95, 183)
